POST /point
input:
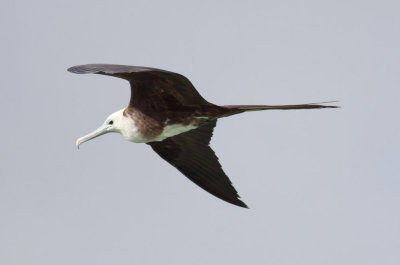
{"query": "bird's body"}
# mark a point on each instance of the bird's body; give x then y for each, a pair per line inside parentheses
(137, 128)
(166, 112)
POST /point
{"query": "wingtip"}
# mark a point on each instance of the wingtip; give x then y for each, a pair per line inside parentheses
(72, 69)
(244, 206)
(239, 203)
(86, 69)
(77, 69)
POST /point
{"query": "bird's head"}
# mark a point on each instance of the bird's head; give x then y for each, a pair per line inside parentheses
(114, 123)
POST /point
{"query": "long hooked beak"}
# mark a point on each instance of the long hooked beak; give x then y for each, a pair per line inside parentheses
(100, 131)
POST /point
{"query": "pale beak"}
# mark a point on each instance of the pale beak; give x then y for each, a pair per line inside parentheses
(100, 131)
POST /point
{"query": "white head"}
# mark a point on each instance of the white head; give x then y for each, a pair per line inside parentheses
(116, 122)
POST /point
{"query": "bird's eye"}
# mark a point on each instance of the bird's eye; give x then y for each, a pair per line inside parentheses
(111, 122)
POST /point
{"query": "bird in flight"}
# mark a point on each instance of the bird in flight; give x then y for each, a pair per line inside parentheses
(166, 112)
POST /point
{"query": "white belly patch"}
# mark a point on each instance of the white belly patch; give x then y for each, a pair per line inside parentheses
(172, 130)
(128, 128)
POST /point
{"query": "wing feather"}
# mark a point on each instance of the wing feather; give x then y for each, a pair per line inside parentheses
(191, 154)
(151, 88)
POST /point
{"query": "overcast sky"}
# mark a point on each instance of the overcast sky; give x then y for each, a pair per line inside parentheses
(322, 185)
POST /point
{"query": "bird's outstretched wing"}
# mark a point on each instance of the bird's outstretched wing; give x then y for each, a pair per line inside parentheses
(151, 89)
(191, 154)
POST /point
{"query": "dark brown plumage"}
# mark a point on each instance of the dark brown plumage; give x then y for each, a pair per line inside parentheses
(191, 154)
(161, 98)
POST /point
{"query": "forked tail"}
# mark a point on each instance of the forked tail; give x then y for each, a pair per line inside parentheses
(281, 107)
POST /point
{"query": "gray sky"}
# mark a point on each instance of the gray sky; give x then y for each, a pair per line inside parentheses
(322, 185)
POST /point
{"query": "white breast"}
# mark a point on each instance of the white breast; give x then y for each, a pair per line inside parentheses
(130, 131)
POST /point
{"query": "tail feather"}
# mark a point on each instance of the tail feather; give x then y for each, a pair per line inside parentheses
(281, 107)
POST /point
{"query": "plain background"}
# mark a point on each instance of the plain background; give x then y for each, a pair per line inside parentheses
(322, 185)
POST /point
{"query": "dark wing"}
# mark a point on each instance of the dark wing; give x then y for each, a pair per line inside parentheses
(191, 154)
(151, 89)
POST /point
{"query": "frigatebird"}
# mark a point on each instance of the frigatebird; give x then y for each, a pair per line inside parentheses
(166, 112)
